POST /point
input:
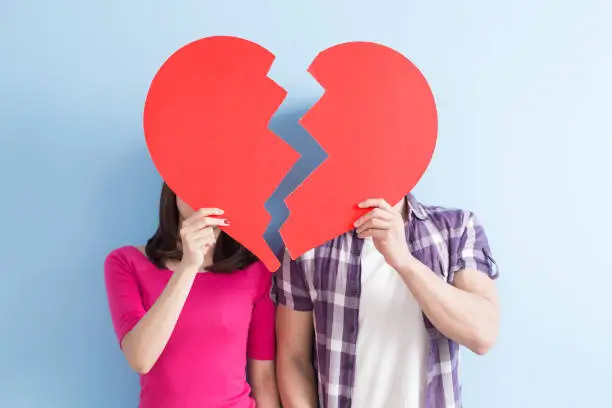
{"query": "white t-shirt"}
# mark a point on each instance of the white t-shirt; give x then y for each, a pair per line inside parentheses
(392, 344)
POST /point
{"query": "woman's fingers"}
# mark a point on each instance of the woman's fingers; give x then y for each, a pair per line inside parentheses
(203, 223)
(201, 233)
(205, 233)
(197, 231)
(202, 242)
(203, 239)
(209, 211)
(202, 213)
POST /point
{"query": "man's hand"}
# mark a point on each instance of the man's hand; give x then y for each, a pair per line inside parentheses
(385, 225)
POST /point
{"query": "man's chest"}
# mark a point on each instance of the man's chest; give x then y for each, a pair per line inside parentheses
(383, 290)
(342, 278)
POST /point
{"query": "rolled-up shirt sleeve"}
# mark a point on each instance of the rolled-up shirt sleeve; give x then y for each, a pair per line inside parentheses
(472, 250)
(291, 287)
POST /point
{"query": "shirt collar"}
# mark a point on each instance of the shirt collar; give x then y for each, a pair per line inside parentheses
(415, 207)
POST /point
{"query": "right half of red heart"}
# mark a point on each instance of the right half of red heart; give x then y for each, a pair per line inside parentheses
(377, 121)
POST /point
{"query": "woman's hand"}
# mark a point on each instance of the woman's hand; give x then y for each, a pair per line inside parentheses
(146, 341)
(198, 236)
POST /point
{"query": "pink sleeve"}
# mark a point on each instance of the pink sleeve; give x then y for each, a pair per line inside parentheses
(123, 295)
(261, 343)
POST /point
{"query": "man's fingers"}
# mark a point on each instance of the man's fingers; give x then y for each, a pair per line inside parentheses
(376, 202)
(374, 223)
(375, 213)
(373, 233)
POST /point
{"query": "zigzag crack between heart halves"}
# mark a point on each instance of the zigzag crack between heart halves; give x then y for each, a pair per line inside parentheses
(285, 124)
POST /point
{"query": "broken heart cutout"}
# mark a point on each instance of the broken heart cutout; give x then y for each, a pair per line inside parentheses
(206, 126)
(206, 121)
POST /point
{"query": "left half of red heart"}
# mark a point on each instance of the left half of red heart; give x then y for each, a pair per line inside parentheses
(206, 121)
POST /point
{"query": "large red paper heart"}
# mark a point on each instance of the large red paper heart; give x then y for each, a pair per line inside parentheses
(206, 125)
(377, 121)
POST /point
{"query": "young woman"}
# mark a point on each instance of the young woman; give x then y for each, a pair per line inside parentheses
(190, 309)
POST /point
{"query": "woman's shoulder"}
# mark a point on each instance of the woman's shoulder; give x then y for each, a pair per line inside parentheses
(127, 251)
(259, 274)
(258, 269)
(127, 256)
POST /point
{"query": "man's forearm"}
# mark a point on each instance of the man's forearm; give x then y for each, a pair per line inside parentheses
(467, 318)
(296, 384)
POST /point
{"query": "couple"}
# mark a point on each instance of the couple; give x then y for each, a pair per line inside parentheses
(381, 311)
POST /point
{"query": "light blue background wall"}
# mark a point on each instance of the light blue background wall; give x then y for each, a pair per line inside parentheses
(523, 91)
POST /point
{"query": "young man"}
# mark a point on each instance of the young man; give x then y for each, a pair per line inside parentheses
(389, 304)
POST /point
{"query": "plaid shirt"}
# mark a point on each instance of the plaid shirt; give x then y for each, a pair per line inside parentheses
(327, 281)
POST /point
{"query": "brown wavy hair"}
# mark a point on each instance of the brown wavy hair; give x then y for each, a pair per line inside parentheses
(229, 255)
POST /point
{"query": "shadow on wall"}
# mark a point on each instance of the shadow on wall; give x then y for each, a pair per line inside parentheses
(286, 125)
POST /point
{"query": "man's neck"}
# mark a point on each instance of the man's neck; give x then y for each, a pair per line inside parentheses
(403, 208)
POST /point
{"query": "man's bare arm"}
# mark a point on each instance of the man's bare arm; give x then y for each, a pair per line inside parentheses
(294, 370)
(467, 311)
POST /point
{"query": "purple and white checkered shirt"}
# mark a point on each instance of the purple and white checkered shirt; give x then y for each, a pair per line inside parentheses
(327, 281)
